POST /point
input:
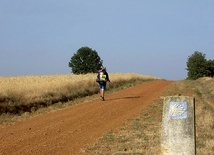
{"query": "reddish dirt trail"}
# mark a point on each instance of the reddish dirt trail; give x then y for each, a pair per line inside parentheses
(68, 130)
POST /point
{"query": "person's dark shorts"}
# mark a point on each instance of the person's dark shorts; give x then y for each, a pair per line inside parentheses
(103, 85)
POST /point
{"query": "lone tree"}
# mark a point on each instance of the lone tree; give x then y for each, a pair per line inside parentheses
(198, 66)
(85, 60)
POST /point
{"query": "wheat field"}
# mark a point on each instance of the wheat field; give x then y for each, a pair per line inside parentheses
(50, 89)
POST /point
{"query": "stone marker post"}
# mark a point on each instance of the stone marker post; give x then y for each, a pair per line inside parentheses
(178, 126)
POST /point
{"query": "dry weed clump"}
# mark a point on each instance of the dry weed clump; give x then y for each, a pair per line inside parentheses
(19, 94)
(209, 83)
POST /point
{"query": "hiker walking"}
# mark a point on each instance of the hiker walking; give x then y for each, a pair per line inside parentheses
(102, 78)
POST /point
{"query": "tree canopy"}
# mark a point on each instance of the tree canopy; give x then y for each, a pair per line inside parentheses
(85, 60)
(198, 66)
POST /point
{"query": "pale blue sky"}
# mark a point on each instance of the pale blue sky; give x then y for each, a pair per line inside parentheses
(149, 37)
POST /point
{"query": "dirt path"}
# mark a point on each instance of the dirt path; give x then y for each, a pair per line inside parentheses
(68, 130)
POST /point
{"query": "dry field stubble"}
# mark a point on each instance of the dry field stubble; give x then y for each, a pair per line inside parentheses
(29, 93)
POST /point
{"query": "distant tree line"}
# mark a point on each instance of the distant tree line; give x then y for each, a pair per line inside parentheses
(198, 66)
(87, 60)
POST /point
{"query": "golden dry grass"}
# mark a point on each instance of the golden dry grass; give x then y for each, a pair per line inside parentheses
(31, 86)
(47, 90)
(205, 116)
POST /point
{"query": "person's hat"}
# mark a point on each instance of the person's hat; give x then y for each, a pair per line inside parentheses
(103, 68)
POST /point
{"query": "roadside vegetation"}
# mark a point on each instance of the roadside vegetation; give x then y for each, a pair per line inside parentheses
(142, 135)
(23, 94)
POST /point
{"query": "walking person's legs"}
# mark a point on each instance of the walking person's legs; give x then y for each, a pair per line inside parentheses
(102, 91)
(102, 94)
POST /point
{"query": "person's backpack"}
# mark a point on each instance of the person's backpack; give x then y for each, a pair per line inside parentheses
(101, 76)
